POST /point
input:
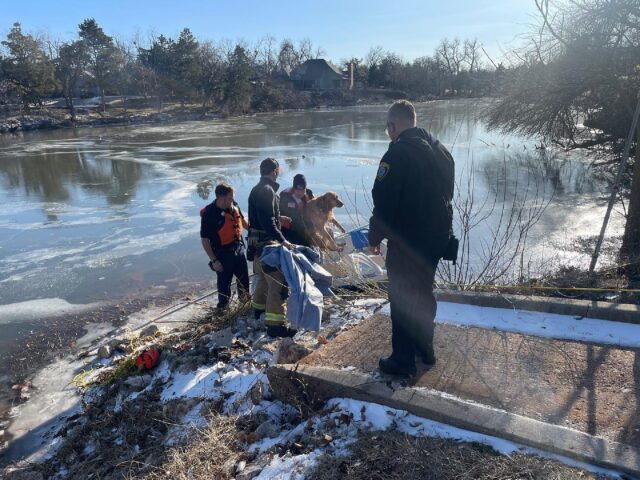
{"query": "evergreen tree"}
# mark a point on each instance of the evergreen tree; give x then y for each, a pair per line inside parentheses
(185, 65)
(26, 69)
(237, 88)
(71, 63)
(104, 62)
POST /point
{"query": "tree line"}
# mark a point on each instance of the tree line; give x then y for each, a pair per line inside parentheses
(235, 77)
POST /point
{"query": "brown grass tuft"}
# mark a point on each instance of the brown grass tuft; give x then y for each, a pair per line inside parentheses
(393, 455)
(212, 453)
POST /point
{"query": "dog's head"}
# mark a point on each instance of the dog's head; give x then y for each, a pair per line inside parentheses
(328, 201)
(332, 200)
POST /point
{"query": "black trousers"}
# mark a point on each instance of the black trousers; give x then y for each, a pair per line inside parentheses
(413, 305)
(234, 263)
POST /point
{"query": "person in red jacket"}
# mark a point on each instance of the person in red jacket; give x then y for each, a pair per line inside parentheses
(293, 201)
(221, 229)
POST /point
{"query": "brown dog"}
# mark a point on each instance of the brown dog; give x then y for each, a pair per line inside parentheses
(318, 213)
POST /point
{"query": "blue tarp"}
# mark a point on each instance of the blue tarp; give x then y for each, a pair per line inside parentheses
(308, 283)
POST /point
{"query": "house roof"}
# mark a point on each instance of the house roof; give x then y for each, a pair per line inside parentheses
(314, 69)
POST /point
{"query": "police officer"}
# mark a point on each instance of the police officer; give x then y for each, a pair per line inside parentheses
(292, 204)
(221, 228)
(271, 291)
(412, 196)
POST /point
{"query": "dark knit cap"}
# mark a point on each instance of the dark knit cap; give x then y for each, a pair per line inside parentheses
(299, 181)
(268, 165)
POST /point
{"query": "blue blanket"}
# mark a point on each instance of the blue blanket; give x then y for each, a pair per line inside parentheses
(308, 283)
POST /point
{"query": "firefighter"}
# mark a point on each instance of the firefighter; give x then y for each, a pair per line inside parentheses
(412, 196)
(221, 229)
(271, 290)
(292, 204)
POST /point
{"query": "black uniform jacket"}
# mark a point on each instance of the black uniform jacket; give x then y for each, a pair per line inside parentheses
(264, 210)
(412, 195)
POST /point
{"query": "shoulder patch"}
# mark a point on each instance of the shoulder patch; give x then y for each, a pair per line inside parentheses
(383, 169)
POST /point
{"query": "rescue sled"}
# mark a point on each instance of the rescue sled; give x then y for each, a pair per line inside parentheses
(354, 265)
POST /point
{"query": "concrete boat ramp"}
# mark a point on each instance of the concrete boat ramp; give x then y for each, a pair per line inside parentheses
(559, 382)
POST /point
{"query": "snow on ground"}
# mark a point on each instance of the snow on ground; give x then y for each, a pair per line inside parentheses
(243, 387)
(539, 324)
(290, 468)
(41, 308)
(348, 417)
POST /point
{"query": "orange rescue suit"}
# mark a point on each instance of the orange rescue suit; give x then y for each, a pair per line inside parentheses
(231, 230)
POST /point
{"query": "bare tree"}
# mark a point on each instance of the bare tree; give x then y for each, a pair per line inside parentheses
(505, 216)
(305, 50)
(374, 57)
(267, 56)
(451, 55)
(579, 66)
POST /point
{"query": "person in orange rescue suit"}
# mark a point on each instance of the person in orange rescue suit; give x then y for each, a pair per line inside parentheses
(271, 289)
(221, 228)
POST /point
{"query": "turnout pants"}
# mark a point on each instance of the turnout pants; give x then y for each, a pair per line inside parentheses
(413, 305)
(271, 293)
(234, 263)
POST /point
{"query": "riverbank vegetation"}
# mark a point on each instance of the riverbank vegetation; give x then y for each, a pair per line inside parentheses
(104, 74)
(577, 86)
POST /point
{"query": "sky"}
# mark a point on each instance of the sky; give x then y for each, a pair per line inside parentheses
(342, 28)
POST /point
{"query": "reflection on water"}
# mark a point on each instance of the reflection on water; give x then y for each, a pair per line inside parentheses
(95, 213)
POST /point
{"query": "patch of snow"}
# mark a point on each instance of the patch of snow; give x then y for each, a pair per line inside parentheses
(371, 416)
(161, 375)
(198, 384)
(238, 384)
(191, 420)
(539, 324)
(40, 308)
(93, 394)
(290, 468)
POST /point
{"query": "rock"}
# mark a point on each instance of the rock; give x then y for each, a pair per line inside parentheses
(222, 338)
(289, 351)
(250, 472)
(104, 351)
(267, 430)
(240, 325)
(327, 439)
(148, 331)
(138, 381)
(119, 344)
(255, 323)
(240, 466)
(256, 393)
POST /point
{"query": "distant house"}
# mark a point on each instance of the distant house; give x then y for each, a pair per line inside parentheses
(318, 74)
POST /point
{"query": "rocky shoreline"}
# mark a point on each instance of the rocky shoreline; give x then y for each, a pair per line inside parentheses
(44, 122)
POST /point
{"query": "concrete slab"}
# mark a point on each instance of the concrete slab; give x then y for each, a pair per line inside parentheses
(578, 399)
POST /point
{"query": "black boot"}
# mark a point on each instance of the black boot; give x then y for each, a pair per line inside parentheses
(257, 312)
(391, 366)
(280, 331)
(428, 358)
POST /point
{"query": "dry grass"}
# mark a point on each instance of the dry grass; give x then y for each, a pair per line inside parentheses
(212, 453)
(393, 455)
